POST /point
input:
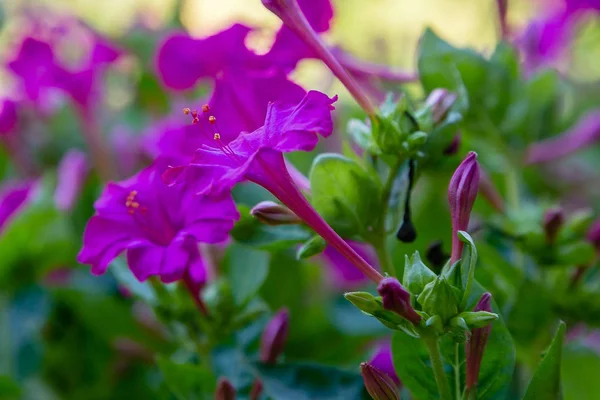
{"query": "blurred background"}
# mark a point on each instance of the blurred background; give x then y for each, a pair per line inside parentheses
(65, 334)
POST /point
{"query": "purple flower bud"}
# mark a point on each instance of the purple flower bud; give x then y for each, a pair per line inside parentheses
(462, 192)
(8, 116)
(453, 146)
(274, 337)
(379, 385)
(593, 234)
(476, 344)
(71, 175)
(440, 101)
(396, 298)
(271, 213)
(382, 360)
(554, 218)
(225, 390)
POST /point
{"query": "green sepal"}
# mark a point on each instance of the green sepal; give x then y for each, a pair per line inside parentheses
(311, 247)
(416, 274)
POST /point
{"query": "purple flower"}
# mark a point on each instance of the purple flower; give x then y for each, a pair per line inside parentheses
(244, 83)
(382, 360)
(379, 385)
(396, 298)
(258, 157)
(462, 192)
(159, 227)
(13, 197)
(8, 117)
(344, 275)
(225, 390)
(583, 134)
(476, 345)
(71, 173)
(274, 337)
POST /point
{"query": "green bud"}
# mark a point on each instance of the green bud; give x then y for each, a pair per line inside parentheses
(578, 253)
(416, 140)
(436, 324)
(459, 323)
(577, 225)
(416, 274)
(440, 298)
(387, 135)
(311, 247)
(364, 301)
(477, 319)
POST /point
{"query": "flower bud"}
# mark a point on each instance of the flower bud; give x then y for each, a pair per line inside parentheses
(453, 146)
(478, 319)
(271, 213)
(439, 298)
(379, 385)
(8, 117)
(274, 337)
(225, 390)
(462, 192)
(416, 274)
(364, 301)
(440, 101)
(554, 219)
(476, 345)
(396, 298)
(72, 173)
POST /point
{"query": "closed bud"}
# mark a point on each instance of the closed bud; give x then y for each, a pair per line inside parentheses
(453, 146)
(439, 298)
(554, 219)
(396, 298)
(364, 301)
(379, 385)
(416, 274)
(440, 101)
(416, 140)
(274, 337)
(271, 213)
(476, 345)
(311, 247)
(462, 192)
(225, 390)
(478, 319)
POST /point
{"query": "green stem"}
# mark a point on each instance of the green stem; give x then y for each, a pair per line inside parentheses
(457, 371)
(438, 367)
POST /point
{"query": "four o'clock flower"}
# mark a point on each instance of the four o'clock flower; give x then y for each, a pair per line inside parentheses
(244, 83)
(462, 192)
(13, 197)
(159, 227)
(274, 337)
(382, 360)
(8, 117)
(258, 157)
(396, 298)
(476, 345)
(71, 173)
(379, 385)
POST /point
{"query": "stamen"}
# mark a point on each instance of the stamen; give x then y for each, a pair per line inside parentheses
(212, 119)
(132, 204)
(186, 111)
(205, 108)
(217, 136)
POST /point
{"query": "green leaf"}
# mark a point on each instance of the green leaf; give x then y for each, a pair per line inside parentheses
(545, 383)
(311, 247)
(467, 266)
(9, 390)
(413, 366)
(187, 381)
(248, 269)
(308, 382)
(248, 230)
(580, 366)
(345, 195)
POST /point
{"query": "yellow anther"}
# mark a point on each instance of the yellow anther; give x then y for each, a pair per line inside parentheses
(212, 119)
(205, 108)
(186, 111)
(217, 136)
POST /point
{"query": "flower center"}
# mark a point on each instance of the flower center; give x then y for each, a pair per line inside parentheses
(132, 204)
(208, 125)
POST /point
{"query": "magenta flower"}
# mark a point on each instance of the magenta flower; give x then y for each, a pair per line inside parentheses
(476, 346)
(382, 360)
(344, 275)
(274, 337)
(159, 227)
(71, 173)
(462, 192)
(244, 83)
(583, 134)
(8, 117)
(396, 298)
(13, 197)
(378, 384)
(258, 157)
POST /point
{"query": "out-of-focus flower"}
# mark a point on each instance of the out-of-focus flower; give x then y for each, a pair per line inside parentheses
(13, 197)
(244, 83)
(583, 134)
(8, 116)
(344, 276)
(396, 298)
(159, 227)
(554, 218)
(256, 156)
(71, 173)
(225, 390)
(382, 360)
(462, 192)
(379, 385)
(274, 337)
(476, 345)
(593, 234)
